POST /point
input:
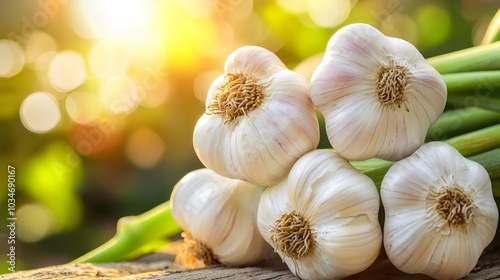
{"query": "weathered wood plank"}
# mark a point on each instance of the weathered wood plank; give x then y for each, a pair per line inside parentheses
(160, 266)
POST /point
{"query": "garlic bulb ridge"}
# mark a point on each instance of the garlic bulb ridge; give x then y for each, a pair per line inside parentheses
(219, 219)
(378, 94)
(439, 212)
(323, 218)
(259, 119)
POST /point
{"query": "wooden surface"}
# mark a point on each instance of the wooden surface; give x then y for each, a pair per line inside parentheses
(160, 266)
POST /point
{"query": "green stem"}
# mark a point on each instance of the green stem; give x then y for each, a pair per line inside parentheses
(480, 58)
(491, 162)
(477, 142)
(461, 99)
(460, 121)
(133, 232)
(493, 31)
(468, 145)
(476, 81)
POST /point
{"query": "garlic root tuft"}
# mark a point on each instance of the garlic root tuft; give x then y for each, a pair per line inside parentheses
(292, 235)
(454, 205)
(194, 254)
(391, 84)
(240, 94)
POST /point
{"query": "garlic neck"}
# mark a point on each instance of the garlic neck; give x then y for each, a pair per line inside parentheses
(238, 96)
(194, 254)
(391, 84)
(292, 236)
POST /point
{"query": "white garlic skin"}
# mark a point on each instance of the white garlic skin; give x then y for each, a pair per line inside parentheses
(222, 214)
(341, 205)
(416, 238)
(261, 146)
(359, 126)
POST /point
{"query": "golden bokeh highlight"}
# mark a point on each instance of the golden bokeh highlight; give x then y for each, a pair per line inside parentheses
(39, 112)
(67, 71)
(327, 13)
(120, 95)
(38, 44)
(400, 26)
(145, 148)
(293, 6)
(157, 94)
(83, 107)
(11, 57)
(108, 58)
(203, 82)
(35, 221)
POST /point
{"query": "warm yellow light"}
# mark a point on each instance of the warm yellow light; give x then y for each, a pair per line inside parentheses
(117, 18)
(108, 58)
(120, 95)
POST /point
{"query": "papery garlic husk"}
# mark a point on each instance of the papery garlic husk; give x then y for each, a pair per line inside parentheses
(259, 119)
(378, 94)
(323, 218)
(439, 212)
(219, 219)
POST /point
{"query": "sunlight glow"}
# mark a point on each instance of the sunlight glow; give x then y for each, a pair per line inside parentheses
(108, 58)
(120, 94)
(117, 18)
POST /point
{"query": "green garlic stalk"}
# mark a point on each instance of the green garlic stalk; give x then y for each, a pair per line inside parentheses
(478, 58)
(477, 81)
(132, 233)
(493, 31)
(469, 144)
(459, 121)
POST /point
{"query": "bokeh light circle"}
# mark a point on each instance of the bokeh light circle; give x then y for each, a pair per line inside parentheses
(39, 112)
(11, 58)
(120, 94)
(67, 71)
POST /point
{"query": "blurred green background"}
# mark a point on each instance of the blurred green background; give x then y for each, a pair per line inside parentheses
(99, 98)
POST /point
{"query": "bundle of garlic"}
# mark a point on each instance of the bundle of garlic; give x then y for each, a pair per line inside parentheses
(439, 212)
(323, 218)
(219, 219)
(378, 94)
(379, 97)
(259, 119)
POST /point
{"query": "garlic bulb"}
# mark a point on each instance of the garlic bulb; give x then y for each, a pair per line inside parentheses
(378, 94)
(219, 219)
(439, 212)
(323, 218)
(259, 119)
